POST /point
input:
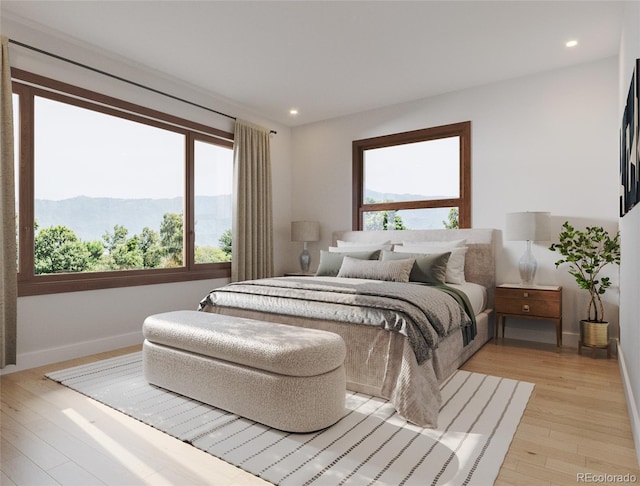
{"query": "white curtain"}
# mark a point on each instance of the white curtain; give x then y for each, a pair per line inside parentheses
(8, 271)
(252, 214)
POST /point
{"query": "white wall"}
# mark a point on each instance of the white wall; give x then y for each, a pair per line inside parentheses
(63, 326)
(540, 143)
(629, 357)
(57, 327)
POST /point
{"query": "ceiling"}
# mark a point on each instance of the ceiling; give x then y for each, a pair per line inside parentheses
(333, 58)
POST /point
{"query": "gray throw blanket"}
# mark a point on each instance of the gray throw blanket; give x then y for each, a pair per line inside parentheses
(424, 314)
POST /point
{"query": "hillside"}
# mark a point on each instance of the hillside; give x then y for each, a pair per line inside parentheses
(414, 219)
(90, 217)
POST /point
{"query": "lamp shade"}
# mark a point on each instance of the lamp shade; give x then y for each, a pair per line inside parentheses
(528, 226)
(305, 231)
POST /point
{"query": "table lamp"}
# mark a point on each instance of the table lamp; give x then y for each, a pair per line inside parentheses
(528, 226)
(305, 231)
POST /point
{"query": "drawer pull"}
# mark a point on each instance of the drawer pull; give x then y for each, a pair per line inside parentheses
(525, 308)
(525, 294)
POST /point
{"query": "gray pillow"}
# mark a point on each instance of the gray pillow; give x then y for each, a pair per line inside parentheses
(394, 271)
(330, 262)
(427, 268)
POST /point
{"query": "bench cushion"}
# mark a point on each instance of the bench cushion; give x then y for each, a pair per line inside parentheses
(279, 348)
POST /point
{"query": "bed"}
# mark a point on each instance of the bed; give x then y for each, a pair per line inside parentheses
(391, 353)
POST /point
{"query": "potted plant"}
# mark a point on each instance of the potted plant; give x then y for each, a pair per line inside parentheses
(586, 253)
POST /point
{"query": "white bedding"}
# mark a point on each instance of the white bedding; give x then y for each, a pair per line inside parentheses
(476, 293)
(424, 314)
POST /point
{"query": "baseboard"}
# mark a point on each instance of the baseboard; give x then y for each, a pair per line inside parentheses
(632, 405)
(570, 339)
(48, 356)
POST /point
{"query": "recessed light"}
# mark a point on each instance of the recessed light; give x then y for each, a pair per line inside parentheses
(293, 111)
(572, 43)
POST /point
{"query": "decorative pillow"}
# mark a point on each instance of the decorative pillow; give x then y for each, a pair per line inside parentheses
(394, 271)
(455, 264)
(342, 243)
(427, 268)
(437, 245)
(330, 262)
(341, 249)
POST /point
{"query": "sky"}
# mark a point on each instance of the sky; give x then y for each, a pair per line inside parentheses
(80, 152)
(433, 166)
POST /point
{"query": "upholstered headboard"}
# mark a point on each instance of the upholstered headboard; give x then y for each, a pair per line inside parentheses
(480, 262)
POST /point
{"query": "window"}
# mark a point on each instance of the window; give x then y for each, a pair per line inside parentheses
(213, 183)
(413, 180)
(113, 194)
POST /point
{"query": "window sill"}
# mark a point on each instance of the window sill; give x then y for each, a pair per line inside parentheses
(54, 284)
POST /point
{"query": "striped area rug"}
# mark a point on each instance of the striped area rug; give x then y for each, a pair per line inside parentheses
(370, 445)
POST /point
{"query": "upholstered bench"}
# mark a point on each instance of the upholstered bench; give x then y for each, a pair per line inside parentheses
(286, 377)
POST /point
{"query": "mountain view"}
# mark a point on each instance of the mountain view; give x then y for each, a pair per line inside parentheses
(90, 217)
(413, 219)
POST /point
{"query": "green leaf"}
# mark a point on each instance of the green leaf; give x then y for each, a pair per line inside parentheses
(586, 253)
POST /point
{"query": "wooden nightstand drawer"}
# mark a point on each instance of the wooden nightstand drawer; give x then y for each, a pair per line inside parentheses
(527, 294)
(535, 302)
(528, 302)
(524, 307)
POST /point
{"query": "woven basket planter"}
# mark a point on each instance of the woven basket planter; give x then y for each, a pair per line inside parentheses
(594, 333)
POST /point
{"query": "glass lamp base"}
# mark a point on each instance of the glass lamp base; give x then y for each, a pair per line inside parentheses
(305, 260)
(527, 266)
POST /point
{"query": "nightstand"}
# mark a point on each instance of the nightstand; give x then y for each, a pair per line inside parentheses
(541, 302)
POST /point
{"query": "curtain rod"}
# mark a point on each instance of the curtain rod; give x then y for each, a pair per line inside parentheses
(124, 80)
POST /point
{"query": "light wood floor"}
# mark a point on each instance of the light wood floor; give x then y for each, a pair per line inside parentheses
(576, 422)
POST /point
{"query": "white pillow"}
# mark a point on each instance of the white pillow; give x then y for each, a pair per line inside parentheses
(362, 243)
(391, 270)
(455, 265)
(428, 245)
(343, 249)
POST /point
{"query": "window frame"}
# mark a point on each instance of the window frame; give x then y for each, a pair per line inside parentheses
(28, 86)
(463, 202)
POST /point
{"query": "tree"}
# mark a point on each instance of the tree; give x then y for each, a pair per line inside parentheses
(211, 254)
(95, 249)
(118, 237)
(96, 252)
(452, 222)
(398, 224)
(58, 249)
(225, 241)
(171, 237)
(383, 220)
(127, 255)
(149, 244)
(123, 253)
